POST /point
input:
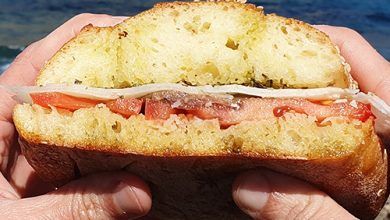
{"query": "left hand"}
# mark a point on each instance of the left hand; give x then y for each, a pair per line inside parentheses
(23, 195)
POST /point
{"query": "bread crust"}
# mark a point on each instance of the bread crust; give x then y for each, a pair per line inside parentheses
(199, 187)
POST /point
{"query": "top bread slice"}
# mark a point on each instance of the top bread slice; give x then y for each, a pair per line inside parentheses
(200, 43)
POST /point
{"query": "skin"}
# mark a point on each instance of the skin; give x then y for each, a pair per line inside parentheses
(264, 194)
(261, 194)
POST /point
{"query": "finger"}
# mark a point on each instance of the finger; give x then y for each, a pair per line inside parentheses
(6, 190)
(27, 64)
(265, 194)
(25, 180)
(369, 68)
(7, 135)
(103, 196)
(22, 70)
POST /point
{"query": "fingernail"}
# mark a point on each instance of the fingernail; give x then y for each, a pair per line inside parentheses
(253, 192)
(126, 198)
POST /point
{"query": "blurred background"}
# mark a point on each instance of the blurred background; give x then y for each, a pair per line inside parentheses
(25, 21)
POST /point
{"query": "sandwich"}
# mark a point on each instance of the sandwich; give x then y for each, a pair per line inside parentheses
(189, 94)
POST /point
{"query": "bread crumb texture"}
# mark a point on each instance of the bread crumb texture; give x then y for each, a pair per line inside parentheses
(291, 136)
(200, 43)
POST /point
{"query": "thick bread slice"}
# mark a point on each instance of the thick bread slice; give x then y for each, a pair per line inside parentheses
(190, 164)
(200, 43)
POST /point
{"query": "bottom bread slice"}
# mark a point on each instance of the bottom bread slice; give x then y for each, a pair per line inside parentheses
(191, 163)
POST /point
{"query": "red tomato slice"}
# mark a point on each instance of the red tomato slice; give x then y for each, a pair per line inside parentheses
(251, 109)
(126, 107)
(247, 109)
(221, 112)
(158, 109)
(59, 100)
(357, 111)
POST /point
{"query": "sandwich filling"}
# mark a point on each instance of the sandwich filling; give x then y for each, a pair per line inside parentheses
(160, 105)
(229, 104)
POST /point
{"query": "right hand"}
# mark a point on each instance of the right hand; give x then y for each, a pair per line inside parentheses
(23, 195)
(264, 194)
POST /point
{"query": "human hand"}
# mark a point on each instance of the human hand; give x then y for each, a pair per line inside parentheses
(264, 194)
(101, 196)
(368, 67)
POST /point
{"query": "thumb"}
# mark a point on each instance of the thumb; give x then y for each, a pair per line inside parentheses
(102, 196)
(265, 194)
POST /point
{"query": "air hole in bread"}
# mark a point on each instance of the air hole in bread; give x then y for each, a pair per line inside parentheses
(284, 30)
(231, 44)
(190, 28)
(245, 56)
(210, 67)
(205, 26)
(117, 127)
(287, 56)
(196, 18)
(237, 145)
(175, 13)
(294, 136)
(309, 53)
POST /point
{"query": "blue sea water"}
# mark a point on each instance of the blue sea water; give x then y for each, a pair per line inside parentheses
(25, 21)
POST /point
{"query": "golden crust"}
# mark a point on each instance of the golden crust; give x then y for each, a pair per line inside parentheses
(360, 177)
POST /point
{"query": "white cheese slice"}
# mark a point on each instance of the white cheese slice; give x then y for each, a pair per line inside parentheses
(331, 93)
(380, 109)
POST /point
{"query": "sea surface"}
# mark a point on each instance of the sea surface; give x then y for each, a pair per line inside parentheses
(25, 21)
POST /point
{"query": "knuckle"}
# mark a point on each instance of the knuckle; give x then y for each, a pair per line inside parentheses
(5, 194)
(382, 89)
(104, 15)
(86, 207)
(90, 16)
(26, 53)
(350, 32)
(34, 44)
(83, 16)
(284, 206)
(20, 58)
(4, 158)
(309, 208)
